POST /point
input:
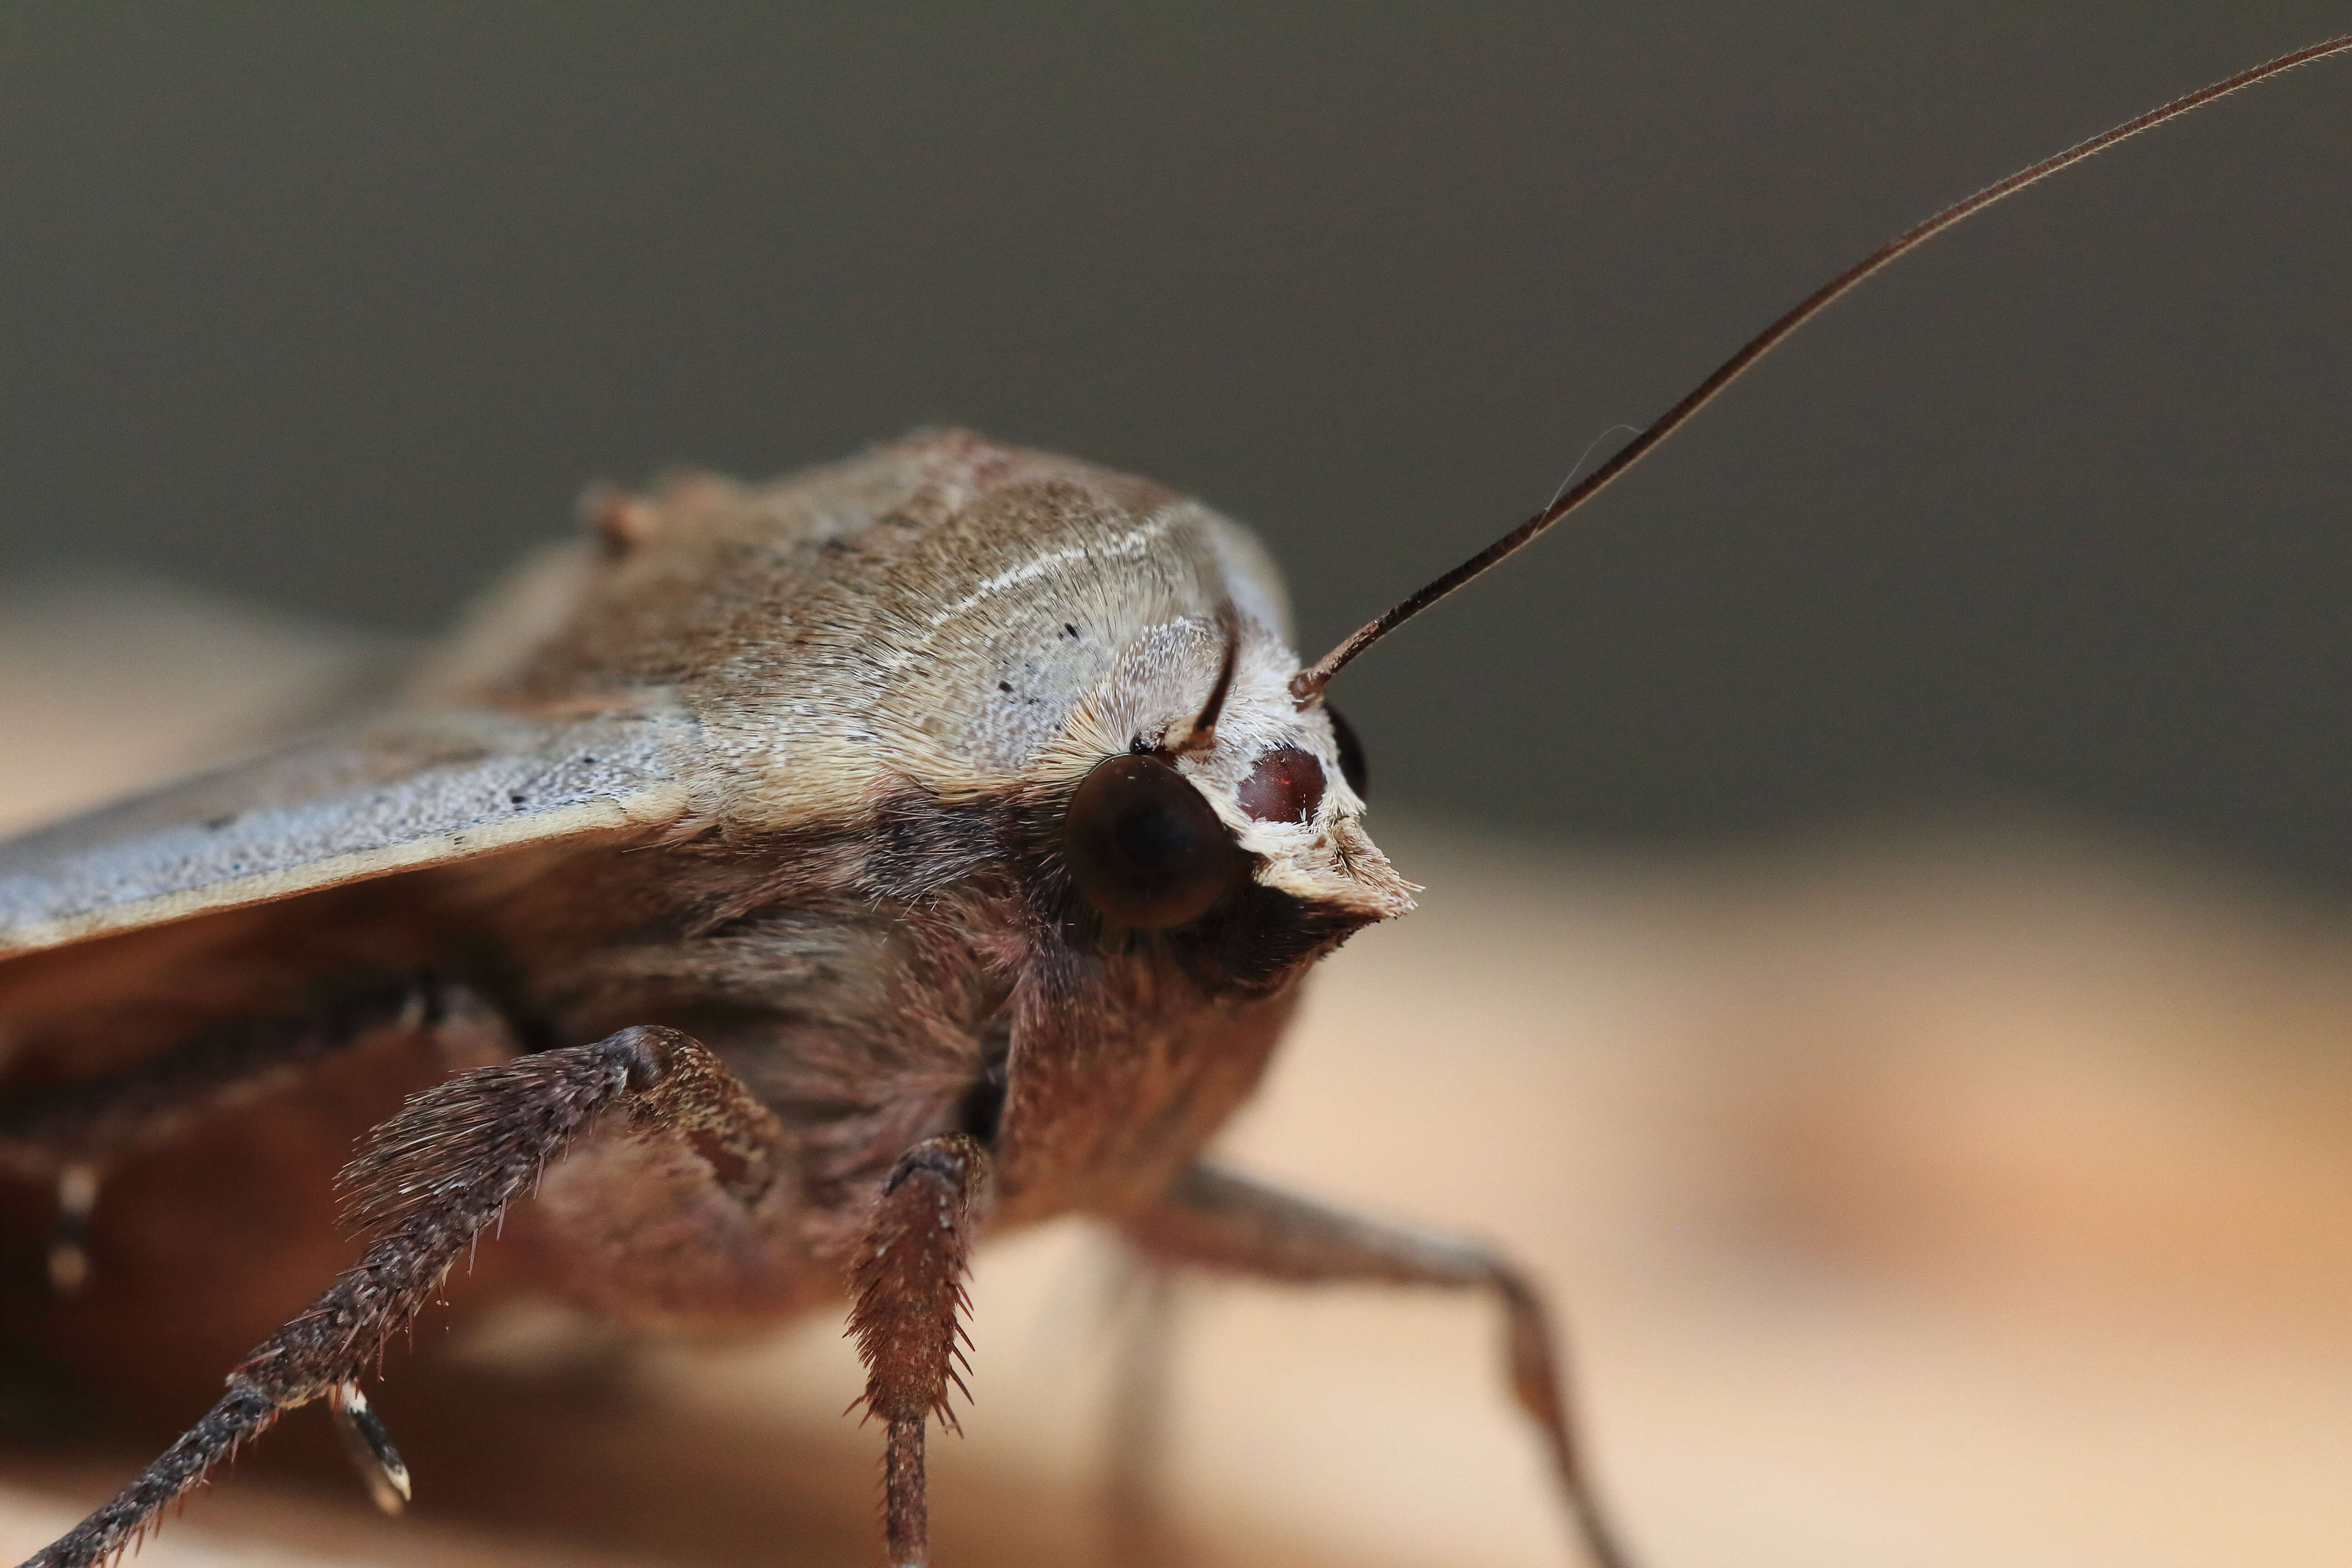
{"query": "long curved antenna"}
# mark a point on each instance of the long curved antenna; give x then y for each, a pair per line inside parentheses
(1307, 685)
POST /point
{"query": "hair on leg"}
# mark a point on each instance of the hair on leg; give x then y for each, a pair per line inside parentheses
(426, 1183)
(906, 1314)
(1214, 1220)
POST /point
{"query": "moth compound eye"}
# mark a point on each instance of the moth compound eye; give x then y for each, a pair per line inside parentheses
(1144, 847)
(1351, 754)
(1287, 785)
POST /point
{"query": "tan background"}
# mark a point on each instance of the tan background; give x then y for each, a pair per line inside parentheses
(1934, 1197)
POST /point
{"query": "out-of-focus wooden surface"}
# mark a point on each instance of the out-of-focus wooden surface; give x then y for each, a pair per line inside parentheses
(1923, 1199)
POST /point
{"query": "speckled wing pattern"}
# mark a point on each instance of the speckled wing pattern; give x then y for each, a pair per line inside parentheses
(401, 793)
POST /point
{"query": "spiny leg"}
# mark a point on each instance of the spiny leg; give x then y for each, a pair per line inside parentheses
(906, 1313)
(426, 1183)
(1211, 1219)
(73, 1131)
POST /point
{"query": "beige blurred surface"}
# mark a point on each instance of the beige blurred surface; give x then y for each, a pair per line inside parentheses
(1980, 1195)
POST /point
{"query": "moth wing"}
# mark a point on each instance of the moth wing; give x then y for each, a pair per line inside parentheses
(392, 795)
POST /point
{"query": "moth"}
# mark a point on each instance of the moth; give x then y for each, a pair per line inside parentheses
(762, 901)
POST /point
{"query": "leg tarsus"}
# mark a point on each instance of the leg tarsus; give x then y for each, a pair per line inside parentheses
(1211, 1219)
(243, 1412)
(1537, 1386)
(906, 1500)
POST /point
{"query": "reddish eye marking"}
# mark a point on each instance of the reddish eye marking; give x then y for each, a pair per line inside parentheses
(1287, 785)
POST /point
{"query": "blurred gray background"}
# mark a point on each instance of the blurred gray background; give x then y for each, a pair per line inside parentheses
(337, 308)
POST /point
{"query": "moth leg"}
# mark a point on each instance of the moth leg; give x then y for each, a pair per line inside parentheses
(1138, 1526)
(426, 1183)
(70, 1133)
(1214, 1220)
(906, 1311)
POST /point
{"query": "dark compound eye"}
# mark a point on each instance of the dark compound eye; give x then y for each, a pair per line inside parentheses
(1145, 848)
(1351, 754)
(1287, 785)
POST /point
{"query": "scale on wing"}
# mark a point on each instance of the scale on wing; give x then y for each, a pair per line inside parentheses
(395, 793)
(935, 611)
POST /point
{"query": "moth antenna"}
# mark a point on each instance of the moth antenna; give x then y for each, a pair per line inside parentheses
(1307, 685)
(1204, 733)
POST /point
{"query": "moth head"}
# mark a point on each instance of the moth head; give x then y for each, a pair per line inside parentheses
(1203, 793)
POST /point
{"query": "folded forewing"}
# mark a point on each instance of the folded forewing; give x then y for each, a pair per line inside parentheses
(392, 795)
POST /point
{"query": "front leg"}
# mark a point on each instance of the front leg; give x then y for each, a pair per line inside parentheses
(426, 1185)
(906, 1314)
(1214, 1220)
